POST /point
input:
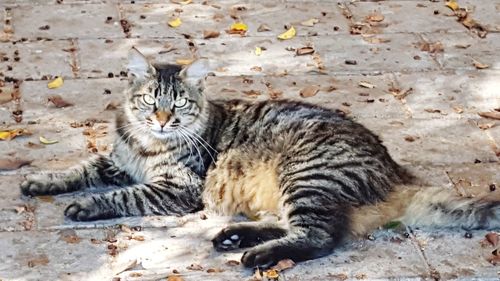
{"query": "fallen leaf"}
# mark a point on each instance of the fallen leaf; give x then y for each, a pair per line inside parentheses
(58, 101)
(184, 61)
(461, 46)
(40, 260)
(232, 263)
(338, 276)
(11, 134)
(411, 138)
(5, 97)
(360, 276)
(47, 141)
(452, 5)
(207, 34)
(258, 51)
(480, 65)
(275, 94)
(195, 266)
(112, 105)
(69, 236)
(309, 91)
(185, 2)
(215, 270)
(175, 22)
(238, 28)
(263, 27)
(271, 273)
(392, 225)
(256, 68)
(458, 109)
(491, 115)
(175, 278)
(436, 47)
(129, 266)
(375, 40)
(304, 51)
(310, 22)
(365, 84)
(430, 110)
(284, 264)
(13, 164)
(289, 34)
(375, 17)
(56, 83)
(492, 238)
(252, 93)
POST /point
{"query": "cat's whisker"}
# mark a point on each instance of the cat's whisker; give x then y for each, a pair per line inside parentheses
(196, 147)
(179, 133)
(199, 137)
(195, 139)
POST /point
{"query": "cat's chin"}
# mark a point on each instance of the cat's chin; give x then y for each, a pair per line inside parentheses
(161, 135)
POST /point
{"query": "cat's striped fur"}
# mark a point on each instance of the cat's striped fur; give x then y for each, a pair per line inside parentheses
(324, 175)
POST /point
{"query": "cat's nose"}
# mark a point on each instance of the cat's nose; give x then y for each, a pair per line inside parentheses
(163, 117)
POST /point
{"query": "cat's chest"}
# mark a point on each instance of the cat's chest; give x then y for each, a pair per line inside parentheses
(142, 168)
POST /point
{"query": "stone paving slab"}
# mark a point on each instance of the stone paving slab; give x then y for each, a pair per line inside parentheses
(485, 13)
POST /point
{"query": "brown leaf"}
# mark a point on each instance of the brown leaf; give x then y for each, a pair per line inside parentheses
(5, 96)
(275, 94)
(207, 34)
(491, 115)
(263, 27)
(256, 68)
(411, 138)
(338, 276)
(375, 17)
(58, 101)
(284, 264)
(13, 164)
(215, 270)
(430, 110)
(39, 260)
(232, 263)
(480, 65)
(195, 266)
(376, 40)
(365, 84)
(252, 93)
(175, 278)
(458, 109)
(492, 238)
(436, 47)
(486, 126)
(69, 236)
(112, 105)
(304, 51)
(309, 91)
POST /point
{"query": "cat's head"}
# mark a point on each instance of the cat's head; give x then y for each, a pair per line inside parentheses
(165, 98)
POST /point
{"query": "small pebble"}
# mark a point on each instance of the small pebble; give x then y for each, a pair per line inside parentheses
(468, 235)
(370, 237)
(111, 75)
(123, 73)
(107, 91)
(436, 12)
(493, 187)
(351, 62)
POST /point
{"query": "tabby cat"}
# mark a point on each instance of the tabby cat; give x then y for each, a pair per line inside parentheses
(325, 176)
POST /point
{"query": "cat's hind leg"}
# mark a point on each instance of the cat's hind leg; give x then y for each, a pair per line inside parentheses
(246, 234)
(99, 171)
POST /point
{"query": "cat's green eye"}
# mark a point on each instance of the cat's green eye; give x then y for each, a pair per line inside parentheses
(148, 99)
(181, 102)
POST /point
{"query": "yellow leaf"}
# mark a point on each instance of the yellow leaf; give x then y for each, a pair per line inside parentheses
(239, 26)
(289, 34)
(56, 83)
(185, 2)
(310, 22)
(258, 51)
(452, 5)
(46, 141)
(271, 273)
(10, 134)
(184, 61)
(175, 23)
(5, 135)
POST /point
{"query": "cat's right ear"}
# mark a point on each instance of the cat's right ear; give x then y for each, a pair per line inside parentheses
(139, 68)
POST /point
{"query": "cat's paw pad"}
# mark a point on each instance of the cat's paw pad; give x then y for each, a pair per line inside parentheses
(259, 257)
(78, 211)
(226, 240)
(88, 209)
(40, 185)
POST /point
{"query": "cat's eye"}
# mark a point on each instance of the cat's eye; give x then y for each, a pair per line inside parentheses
(148, 99)
(181, 102)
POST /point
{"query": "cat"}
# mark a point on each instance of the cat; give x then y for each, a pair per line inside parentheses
(323, 175)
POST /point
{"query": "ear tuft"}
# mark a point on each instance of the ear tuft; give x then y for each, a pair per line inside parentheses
(138, 65)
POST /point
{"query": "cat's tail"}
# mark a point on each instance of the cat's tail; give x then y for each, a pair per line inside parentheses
(428, 207)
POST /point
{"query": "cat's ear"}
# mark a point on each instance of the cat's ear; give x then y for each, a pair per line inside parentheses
(199, 69)
(138, 66)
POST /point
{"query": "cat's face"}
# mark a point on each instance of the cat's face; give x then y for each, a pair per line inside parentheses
(165, 100)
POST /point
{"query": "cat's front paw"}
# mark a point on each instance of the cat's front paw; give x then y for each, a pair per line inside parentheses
(35, 185)
(87, 210)
(227, 240)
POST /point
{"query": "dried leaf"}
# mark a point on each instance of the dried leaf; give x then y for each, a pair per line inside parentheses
(13, 164)
(184, 61)
(289, 34)
(365, 84)
(492, 115)
(40, 260)
(56, 83)
(215, 270)
(263, 27)
(309, 91)
(207, 34)
(492, 238)
(175, 278)
(284, 264)
(411, 138)
(271, 273)
(10, 134)
(232, 263)
(69, 236)
(338, 276)
(175, 22)
(452, 5)
(47, 141)
(310, 22)
(258, 51)
(252, 93)
(375, 17)
(195, 266)
(185, 2)
(5, 97)
(430, 110)
(304, 51)
(256, 68)
(436, 47)
(238, 26)
(58, 101)
(458, 109)
(112, 105)
(376, 40)
(480, 65)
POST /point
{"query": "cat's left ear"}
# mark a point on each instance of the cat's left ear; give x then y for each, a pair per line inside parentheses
(138, 66)
(196, 72)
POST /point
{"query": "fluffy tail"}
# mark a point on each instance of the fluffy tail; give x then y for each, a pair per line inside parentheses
(427, 207)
